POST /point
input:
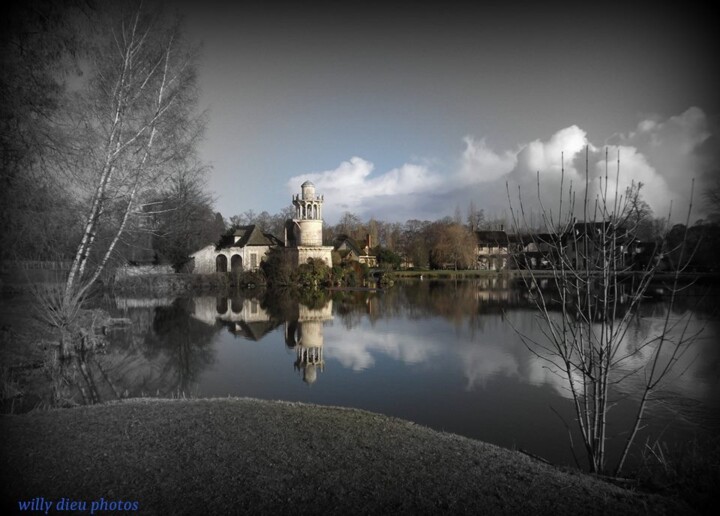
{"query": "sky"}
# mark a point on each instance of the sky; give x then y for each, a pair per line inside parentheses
(413, 111)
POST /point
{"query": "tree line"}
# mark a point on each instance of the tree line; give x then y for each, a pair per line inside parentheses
(450, 242)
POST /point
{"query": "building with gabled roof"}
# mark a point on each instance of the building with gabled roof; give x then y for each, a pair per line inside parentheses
(242, 250)
(492, 250)
(351, 251)
(245, 248)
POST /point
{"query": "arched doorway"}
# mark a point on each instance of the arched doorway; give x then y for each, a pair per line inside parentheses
(236, 263)
(221, 263)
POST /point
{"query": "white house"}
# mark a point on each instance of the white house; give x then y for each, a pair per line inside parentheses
(246, 248)
(243, 250)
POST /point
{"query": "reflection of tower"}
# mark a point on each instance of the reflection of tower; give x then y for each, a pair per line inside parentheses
(305, 335)
(304, 233)
(310, 350)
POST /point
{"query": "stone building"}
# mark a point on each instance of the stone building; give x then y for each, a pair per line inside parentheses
(350, 251)
(242, 251)
(492, 250)
(247, 247)
(303, 234)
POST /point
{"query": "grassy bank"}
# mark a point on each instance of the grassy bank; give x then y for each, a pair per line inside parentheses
(184, 283)
(250, 456)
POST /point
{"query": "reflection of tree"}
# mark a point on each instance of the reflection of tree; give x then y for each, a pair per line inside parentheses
(162, 352)
(352, 306)
(183, 343)
(280, 304)
(460, 302)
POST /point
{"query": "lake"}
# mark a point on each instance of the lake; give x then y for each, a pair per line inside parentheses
(442, 353)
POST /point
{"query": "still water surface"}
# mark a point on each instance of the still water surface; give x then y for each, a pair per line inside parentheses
(443, 354)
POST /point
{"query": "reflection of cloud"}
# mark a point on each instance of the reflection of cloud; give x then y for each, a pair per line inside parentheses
(481, 362)
(501, 352)
(358, 354)
(634, 355)
(498, 352)
(539, 372)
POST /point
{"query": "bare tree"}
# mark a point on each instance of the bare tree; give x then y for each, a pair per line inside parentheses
(453, 245)
(590, 305)
(475, 217)
(132, 123)
(181, 220)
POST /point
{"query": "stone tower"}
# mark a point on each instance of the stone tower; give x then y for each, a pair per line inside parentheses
(308, 215)
(304, 233)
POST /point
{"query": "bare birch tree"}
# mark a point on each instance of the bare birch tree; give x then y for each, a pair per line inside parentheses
(593, 297)
(133, 124)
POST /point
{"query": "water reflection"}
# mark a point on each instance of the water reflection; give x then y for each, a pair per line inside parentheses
(244, 318)
(305, 336)
(250, 319)
(161, 352)
(441, 353)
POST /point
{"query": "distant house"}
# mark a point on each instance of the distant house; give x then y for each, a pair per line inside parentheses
(586, 241)
(350, 251)
(347, 248)
(645, 255)
(492, 250)
(536, 250)
(243, 250)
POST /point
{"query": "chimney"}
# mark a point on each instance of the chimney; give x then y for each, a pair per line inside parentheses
(369, 243)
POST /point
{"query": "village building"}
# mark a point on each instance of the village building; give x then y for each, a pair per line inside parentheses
(244, 250)
(492, 250)
(303, 234)
(248, 246)
(536, 250)
(587, 244)
(350, 251)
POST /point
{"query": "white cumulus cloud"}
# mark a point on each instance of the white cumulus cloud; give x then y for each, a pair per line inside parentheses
(663, 154)
(351, 186)
(481, 164)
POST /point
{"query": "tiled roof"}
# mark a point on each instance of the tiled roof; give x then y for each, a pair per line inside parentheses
(250, 236)
(495, 237)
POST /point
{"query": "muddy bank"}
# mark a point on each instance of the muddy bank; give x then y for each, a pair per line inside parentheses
(248, 456)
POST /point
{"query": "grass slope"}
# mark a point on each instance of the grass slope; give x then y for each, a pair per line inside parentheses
(248, 456)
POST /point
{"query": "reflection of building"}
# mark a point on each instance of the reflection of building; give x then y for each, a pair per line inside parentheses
(246, 318)
(243, 317)
(306, 336)
(494, 290)
(303, 234)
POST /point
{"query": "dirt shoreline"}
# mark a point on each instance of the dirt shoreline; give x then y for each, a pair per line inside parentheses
(238, 455)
